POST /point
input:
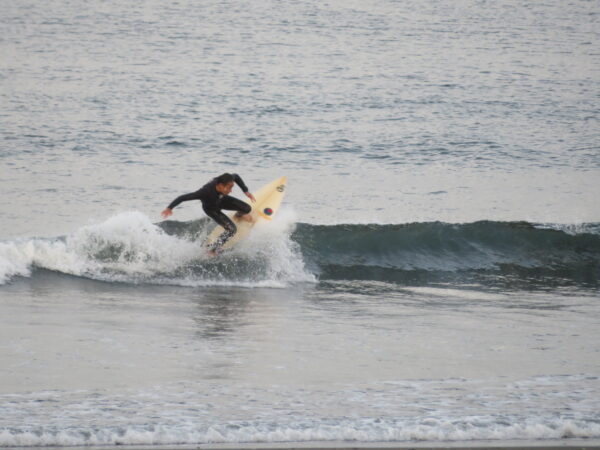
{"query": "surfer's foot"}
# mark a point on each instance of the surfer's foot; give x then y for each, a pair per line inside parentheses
(246, 217)
(213, 253)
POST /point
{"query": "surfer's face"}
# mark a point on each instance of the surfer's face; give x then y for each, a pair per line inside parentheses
(225, 188)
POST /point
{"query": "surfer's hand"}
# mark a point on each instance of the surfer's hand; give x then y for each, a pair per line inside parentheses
(251, 197)
(166, 213)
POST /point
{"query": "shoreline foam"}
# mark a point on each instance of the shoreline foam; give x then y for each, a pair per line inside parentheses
(567, 444)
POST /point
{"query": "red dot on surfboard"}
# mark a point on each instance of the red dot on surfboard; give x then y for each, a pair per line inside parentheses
(268, 211)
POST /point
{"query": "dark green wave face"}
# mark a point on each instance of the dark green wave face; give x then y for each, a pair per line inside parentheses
(514, 253)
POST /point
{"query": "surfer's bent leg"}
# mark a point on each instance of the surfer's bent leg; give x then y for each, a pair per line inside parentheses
(225, 222)
(233, 204)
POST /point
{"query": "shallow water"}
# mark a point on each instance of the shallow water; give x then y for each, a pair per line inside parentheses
(104, 363)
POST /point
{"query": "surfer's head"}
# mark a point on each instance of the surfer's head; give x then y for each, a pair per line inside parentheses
(225, 183)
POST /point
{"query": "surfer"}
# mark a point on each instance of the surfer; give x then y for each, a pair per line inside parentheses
(215, 197)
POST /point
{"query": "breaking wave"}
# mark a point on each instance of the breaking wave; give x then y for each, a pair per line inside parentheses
(130, 248)
(366, 430)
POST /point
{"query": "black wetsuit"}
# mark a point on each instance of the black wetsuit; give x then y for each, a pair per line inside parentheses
(212, 204)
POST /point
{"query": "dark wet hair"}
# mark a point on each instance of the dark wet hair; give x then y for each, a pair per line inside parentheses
(225, 178)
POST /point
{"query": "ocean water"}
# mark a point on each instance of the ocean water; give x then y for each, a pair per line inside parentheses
(433, 274)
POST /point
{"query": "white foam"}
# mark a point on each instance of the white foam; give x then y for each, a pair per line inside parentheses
(572, 228)
(13, 261)
(273, 242)
(393, 411)
(130, 248)
(143, 248)
(359, 430)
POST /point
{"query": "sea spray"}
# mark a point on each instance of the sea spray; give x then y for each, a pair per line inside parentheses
(125, 244)
(130, 248)
(130, 244)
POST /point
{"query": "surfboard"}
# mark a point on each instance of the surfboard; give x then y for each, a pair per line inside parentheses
(268, 199)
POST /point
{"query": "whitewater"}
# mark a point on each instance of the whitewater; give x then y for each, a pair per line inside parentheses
(130, 248)
(433, 275)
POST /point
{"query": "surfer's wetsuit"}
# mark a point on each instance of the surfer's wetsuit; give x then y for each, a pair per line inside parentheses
(212, 204)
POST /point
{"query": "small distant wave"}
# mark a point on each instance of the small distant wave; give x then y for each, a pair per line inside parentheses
(130, 248)
(194, 412)
(488, 428)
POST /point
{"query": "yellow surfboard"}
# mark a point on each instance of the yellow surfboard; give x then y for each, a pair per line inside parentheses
(268, 199)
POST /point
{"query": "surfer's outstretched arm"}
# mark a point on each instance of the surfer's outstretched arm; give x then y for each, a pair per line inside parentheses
(182, 198)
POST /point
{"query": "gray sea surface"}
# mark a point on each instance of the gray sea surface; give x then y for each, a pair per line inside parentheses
(432, 276)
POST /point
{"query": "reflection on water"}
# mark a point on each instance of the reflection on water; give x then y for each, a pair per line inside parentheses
(219, 313)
